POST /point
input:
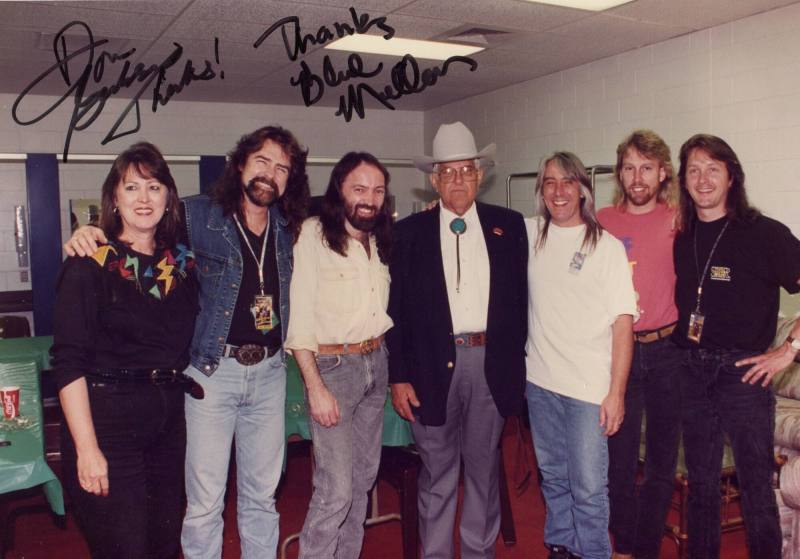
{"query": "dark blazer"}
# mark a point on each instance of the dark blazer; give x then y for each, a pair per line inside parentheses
(421, 345)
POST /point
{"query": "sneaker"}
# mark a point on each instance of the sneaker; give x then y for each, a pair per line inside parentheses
(560, 552)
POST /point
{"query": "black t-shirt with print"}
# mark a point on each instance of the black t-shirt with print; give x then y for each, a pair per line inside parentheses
(741, 291)
(243, 330)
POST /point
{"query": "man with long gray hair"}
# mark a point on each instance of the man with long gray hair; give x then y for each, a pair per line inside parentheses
(581, 307)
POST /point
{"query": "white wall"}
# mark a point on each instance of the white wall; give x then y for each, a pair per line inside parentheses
(740, 81)
(190, 128)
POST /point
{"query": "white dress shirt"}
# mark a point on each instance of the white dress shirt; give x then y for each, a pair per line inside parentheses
(469, 299)
(335, 299)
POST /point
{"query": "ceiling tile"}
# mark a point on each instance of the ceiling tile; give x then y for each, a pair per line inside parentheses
(541, 40)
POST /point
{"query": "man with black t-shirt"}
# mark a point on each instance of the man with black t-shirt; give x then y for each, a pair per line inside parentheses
(242, 238)
(730, 263)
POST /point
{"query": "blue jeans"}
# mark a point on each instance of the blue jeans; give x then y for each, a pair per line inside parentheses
(245, 402)
(346, 456)
(572, 454)
(637, 522)
(716, 401)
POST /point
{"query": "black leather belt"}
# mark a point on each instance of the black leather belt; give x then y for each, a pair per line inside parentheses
(249, 354)
(153, 376)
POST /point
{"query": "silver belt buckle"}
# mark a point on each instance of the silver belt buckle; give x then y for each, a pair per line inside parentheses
(250, 354)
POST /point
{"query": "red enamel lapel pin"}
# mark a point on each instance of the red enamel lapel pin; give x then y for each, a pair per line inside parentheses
(497, 231)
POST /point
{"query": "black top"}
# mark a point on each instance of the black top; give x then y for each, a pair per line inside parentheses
(741, 292)
(243, 329)
(122, 309)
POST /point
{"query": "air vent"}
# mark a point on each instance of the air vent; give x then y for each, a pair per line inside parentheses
(483, 36)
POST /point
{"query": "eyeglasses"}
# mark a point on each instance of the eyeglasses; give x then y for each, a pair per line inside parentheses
(467, 173)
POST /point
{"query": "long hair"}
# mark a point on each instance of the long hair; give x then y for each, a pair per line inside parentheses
(228, 190)
(146, 160)
(574, 169)
(333, 211)
(736, 204)
(650, 145)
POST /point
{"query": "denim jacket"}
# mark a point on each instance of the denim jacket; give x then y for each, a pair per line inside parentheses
(218, 258)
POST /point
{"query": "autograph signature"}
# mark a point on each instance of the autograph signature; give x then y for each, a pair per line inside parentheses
(90, 69)
(406, 77)
(299, 42)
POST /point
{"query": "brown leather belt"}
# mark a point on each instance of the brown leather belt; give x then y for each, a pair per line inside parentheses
(365, 347)
(470, 340)
(647, 336)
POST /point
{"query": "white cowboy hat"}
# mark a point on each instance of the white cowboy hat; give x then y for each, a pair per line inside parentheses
(454, 142)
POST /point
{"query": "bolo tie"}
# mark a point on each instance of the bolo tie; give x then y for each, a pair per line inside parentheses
(458, 226)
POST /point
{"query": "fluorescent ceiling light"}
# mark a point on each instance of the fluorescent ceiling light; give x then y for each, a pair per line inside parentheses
(593, 5)
(376, 44)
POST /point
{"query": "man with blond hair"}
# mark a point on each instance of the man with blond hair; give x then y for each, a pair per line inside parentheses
(643, 218)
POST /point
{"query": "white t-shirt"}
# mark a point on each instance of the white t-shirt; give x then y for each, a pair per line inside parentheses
(573, 299)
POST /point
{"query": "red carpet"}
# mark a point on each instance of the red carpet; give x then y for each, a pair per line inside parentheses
(36, 537)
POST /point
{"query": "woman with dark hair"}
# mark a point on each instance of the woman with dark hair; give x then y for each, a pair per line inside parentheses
(123, 322)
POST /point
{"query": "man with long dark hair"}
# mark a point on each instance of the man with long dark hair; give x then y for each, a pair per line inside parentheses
(643, 217)
(242, 236)
(339, 293)
(457, 349)
(730, 263)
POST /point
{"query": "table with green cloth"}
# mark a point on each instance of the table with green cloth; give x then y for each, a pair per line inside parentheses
(22, 463)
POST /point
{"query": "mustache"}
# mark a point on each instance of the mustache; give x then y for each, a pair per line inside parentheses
(357, 207)
(263, 180)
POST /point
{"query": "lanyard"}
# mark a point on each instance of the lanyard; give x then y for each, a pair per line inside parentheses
(263, 250)
(702, 278)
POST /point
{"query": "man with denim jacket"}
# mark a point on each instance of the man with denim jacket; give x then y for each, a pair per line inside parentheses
(242, 237)
(339, 293)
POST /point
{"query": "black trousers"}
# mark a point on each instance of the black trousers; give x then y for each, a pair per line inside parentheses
(717, 402)
(141, 430)
(637, 521)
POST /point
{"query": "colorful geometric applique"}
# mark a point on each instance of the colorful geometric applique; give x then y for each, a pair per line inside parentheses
(157, 280)
(166, 273)
(101, 254)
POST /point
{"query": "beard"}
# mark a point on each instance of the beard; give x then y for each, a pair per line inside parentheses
(261, 195)
(362, 223)
(642, 198)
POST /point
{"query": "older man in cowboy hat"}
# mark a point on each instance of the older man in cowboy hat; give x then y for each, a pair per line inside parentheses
(458, 300)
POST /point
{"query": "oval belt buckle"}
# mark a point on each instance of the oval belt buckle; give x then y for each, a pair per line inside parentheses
(250, 354)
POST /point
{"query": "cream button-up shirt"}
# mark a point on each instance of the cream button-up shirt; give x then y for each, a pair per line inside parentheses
(469, 299)
(335, 299)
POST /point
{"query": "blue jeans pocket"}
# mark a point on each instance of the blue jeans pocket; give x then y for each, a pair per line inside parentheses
(327, 363)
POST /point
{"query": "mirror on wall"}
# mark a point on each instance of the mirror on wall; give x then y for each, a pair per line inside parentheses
(85, 211)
